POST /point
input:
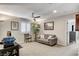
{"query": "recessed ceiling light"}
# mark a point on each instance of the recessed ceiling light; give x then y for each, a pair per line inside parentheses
(54, 11)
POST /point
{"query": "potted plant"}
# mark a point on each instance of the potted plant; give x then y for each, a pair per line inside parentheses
(35, 29)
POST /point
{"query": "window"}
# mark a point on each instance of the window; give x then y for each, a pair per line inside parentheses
(25, 27)
(28, 27)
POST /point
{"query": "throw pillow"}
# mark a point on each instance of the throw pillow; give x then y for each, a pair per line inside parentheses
(42, 36)
(49, 37)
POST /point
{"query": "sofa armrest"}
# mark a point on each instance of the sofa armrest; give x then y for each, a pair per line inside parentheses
(52, 41)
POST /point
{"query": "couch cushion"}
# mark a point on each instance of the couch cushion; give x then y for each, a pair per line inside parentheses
(53, 36)
(44, 40)
(46, 36)
(50, 37)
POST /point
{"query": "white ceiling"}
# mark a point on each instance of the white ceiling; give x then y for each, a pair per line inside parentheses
(45, 10)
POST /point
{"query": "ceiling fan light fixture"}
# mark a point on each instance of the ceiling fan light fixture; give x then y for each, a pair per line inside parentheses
(54, 11)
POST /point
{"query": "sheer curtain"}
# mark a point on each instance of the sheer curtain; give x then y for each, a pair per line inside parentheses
(25, 27)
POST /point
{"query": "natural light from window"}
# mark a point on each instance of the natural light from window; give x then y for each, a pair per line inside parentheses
(25, 27)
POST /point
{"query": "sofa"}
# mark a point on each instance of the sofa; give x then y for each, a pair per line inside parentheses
(47, 39)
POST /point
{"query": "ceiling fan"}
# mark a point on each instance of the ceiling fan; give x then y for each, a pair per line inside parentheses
(34, 17)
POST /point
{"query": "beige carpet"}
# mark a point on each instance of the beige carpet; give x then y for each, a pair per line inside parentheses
(38, 49)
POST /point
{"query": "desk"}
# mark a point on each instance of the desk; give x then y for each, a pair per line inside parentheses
(10, 51)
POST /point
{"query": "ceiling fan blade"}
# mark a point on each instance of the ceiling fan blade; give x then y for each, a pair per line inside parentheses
(34, 18)
(37, 17)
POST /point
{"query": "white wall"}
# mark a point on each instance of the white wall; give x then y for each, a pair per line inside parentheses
(60, 28)
(6, 26)
(0, 28)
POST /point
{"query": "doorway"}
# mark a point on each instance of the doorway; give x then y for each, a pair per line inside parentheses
(71, 31)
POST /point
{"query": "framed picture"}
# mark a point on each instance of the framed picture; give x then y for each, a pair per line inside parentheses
(14, 25)
(49, 25)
